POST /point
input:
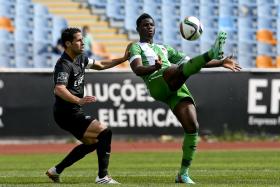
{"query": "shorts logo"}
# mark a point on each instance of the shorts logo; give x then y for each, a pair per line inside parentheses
(87, 117)
(62, 77)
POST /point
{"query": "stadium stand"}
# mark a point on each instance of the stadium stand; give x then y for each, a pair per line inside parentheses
(252, 26)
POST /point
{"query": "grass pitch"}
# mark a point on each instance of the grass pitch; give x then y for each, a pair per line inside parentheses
(210, 168)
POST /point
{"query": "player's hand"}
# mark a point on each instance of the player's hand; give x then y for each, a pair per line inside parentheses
(158, 63)
(87, 100)
(229, 63)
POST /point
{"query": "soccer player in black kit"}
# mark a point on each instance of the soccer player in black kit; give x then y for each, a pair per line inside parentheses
(69, 74)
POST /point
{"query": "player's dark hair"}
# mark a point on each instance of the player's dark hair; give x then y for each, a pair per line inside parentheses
(141, 17)
(68, 35)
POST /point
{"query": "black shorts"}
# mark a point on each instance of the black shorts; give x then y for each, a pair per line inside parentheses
(74, 122)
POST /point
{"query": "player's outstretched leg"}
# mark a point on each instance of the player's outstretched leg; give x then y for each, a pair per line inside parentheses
(195, 64)
(216, 52)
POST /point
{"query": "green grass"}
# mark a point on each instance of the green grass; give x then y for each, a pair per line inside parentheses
(211, 168)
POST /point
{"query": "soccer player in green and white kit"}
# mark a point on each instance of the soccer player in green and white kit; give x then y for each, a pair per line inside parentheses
(165, 70)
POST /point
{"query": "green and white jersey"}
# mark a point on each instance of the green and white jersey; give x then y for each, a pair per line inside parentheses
(148, 53)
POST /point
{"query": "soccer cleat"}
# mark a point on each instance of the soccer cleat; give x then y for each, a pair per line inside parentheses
(53, 175)
(184, 178)
(217, 50)
(105, 180)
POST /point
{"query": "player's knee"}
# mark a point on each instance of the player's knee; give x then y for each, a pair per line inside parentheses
(100, 127)
(89, 141)
(189, 68)
(192, 127)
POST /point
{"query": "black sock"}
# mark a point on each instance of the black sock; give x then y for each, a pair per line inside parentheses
(103, 152)
(76, 154)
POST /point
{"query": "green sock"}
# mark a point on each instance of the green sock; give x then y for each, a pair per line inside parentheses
(195, 64)
(189, 148)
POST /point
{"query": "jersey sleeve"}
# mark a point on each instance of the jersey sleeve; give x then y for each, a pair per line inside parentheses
(61, 73)
(174, 56)
(135, 52)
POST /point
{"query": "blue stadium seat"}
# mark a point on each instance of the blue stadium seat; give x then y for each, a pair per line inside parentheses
(267, 10)
(40, 10)
(191, 48)
(7, 10)
(265, 2)
(229, 2)
(158, 38)
(209, 34)
(266, 49)
(248, 10)
(269, 23)
(247, 2)
(247, 34)
(98, 3)
(24, 61)
(190, 2)
(23, 41)
(231, 47)
(171, 2)
(205, 46)
(116, 9)
(247, 48)
(24, 9)
(209, 2)
(154, 8)
(58, 24)
(248, 22)
(10, 1)
(24, 22)
(43, 23)
(23, 1)
(6, 62)
(190, 10)
(278, 29)
(43, 61)
(131, 14)
(209, 11)
(247, 60)
(210, 22)
(228, 10)
(232, 34)
(171, 18)
(7, 47)
(172, 36)
(229, 22)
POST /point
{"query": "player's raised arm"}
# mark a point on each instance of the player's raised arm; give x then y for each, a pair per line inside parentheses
(106, 64)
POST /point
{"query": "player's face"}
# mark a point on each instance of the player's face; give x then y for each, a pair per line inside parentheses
(77, 45)
(147, 28)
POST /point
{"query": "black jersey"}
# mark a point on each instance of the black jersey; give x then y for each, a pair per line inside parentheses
(71, 74)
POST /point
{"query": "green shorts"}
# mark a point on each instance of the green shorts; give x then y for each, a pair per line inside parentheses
(160, 91)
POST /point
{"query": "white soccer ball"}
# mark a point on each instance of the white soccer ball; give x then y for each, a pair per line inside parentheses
(191, 28)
